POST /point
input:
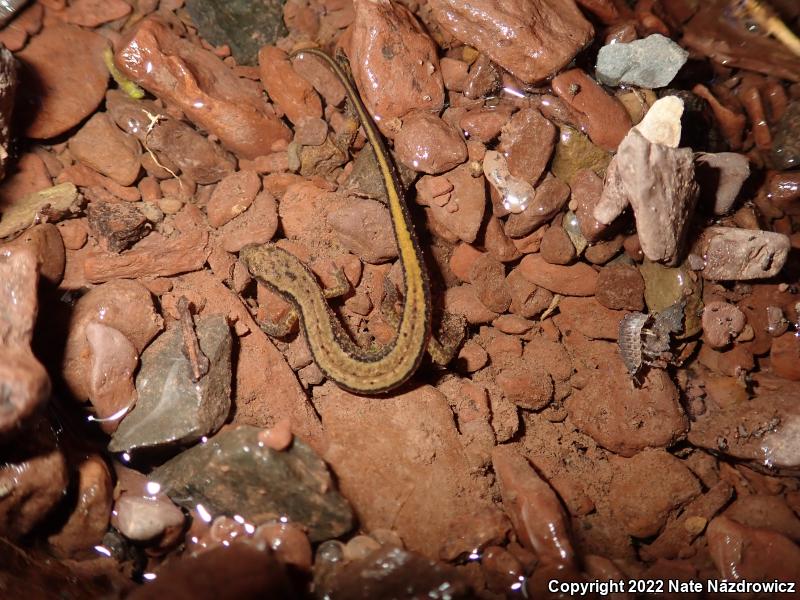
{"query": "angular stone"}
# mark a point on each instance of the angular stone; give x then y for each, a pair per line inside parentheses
(650, 63)
(234, 473)
(116, 225)
(662, 122)
(100, 145)
(24, 212)
(730, 254)
(244, 25)
(171, 408)
(720, 177)
(785, 151)
(658, 181)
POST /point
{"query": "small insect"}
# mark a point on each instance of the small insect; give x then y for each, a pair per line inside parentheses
(645, 339)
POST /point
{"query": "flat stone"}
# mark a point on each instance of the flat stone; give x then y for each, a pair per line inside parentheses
(575, 280)
(730, 254)
(171, 408)
(102, 146)
(64, 79)
(244, 25)
(23, 212)
(235, 473)
(649, 63)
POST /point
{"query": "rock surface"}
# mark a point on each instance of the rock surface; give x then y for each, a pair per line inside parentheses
(731, 254)
(173, 408)
(651, 62)
(234, 473)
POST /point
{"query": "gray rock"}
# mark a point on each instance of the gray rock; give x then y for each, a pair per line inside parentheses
(234, 473)
(720, 177)
(650, 63)
(730, 254)
(173, 409)
(658, 181)
(785, 152)
(143, 518)
(245, 25)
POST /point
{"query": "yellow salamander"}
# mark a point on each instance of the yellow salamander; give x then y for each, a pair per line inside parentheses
(349, 365)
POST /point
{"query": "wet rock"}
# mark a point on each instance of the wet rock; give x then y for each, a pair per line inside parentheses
(665, 286)
(113, 362)
(25, 384)
(426, 143)
(237, 570)
(88, 520)
(193, 154)
(589, 317)
(575, 280)
(587, 189)
(762, 430)
(257, 225)
(750, 554)
(606, 120)
(394, 62)
(527, 299)
(547, 36)
(551, 196)
(574, 152)
(116, 225)
(99, 144)
(784, 356)
(658, 181)
(33, 479)
(484, 124)
(765, 512)
(620, 287)
(651, 62)
(391, 572)
(29, 174)
(720, 177)
(527, 142)
(489, 526)
(643, 504)
(289, 542)
(739, 254)
(47, 246)
(624, 418)
(65, 78)
(288, 90)
(459, 210)
(50, 203)
(232, 196)
(173, 407)
(234, 474)
(721, 323)
(785, 151)
(8, 90)
(201, 85)
(535, 510)
(484, 79)
(145, 518)
(515, 194)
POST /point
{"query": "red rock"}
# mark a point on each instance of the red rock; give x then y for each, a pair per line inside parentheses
(47, 246)
(27, 21)
(765, 512)
(527, 299)
(484, 79)
(91, 13)
(589, 317)
(535, 511)
(462, 259)
(527, 386)
(547, 35)
(113, 361)
(232, 196)
(586, 190)
(454, 73)
(257, 225)
(393, 82)
(288, 90)
(575, 280)
(721, 323)
(624, 418)
(462, 300)
(426, 143)
(28, 175)
(201, 85)
(527, 141)
(472, 357)
(88, 521)
(289, 542)
(732, 363)
(116, 225)
(746, 553)
(74, 233)
(124, 305)
(309, 132)
(70, 78)
(484, 124)
(641, 503)
(463, 212)
(412, 443)
(620, 287)
(785, 356)
(362, 226)
(85, 177)
(551, 196)
(557, 248)
(34, 474)
(487, 275)
(601, 252)
(319, 74)
(607, 120)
